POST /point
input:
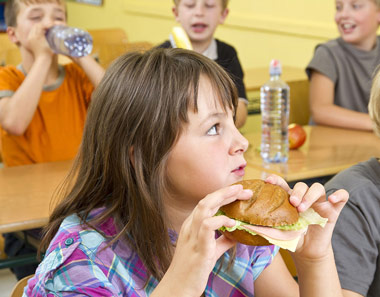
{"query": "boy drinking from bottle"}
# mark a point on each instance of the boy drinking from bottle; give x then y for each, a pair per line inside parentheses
(43, 105)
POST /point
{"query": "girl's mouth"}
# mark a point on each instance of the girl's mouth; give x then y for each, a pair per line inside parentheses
(240, 170)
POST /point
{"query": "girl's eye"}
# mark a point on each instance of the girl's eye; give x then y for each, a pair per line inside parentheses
(356, 6)
(214, 130)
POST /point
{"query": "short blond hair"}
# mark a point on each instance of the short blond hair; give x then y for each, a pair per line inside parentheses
(224, 3)
(12, 8)
(374, 102)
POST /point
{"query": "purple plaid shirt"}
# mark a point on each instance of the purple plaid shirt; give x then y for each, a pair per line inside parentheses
(77, 263)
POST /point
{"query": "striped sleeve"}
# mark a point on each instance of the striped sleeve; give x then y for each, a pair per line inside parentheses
(262, 257)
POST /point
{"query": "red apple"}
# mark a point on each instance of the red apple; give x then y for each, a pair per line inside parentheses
(296, 136)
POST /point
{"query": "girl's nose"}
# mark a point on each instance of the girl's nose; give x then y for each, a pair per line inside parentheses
(240, 144)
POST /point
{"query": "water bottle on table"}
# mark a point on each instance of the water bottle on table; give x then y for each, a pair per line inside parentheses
(274, 105)
(69, 41)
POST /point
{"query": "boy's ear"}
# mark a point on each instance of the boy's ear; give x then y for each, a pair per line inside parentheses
(224, 16)
(175, 12)
(11, 31)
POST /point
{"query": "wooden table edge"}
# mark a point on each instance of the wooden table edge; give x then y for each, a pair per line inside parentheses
(24, 225)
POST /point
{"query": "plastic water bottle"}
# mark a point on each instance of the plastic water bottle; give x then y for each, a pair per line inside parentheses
(69, 41)
(274, 105)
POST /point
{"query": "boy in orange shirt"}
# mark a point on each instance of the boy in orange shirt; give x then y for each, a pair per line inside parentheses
(43, 105)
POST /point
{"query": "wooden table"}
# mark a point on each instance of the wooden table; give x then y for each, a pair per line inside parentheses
(326, 151)
(26, 192)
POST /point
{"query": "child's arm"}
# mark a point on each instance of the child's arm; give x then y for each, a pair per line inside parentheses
(241, 114)
(93, 70)
(17, 112)
(347, 293)
(325, 112)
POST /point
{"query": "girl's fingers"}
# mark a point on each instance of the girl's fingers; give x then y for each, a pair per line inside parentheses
(298, 193)
(303, 197)
(206, 234)
(223, 245)
(208, 206)
(278, 180)
(225, 196)
(339, 197)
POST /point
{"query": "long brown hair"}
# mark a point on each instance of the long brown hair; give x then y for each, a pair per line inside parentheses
(134, 119)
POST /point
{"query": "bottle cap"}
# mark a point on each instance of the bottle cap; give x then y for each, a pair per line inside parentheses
(275, 67)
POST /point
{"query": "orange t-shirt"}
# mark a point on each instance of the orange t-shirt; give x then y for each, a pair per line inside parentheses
(55, 131)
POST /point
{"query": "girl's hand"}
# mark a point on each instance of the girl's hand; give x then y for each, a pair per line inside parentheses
(317, 241)
(197, 248)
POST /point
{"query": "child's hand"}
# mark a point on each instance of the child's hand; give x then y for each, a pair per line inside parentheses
(197, 248)
(37, 42)
(317, 241)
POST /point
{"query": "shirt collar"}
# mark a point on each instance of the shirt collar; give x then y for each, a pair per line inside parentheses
(55, 85)
(211, 52)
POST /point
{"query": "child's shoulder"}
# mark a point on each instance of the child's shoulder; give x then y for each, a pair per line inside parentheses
(10, 70)
(334, 49)
(11, 77)
(333, 44)
(224, 46)
(82, 254)
(357, 179)
(165, 44)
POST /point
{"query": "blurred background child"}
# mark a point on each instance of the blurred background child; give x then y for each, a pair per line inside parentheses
(341, 70)
(199, 19)
(356, 238)
(43, 105)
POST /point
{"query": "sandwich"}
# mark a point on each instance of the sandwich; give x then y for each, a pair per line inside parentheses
(267, 217)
